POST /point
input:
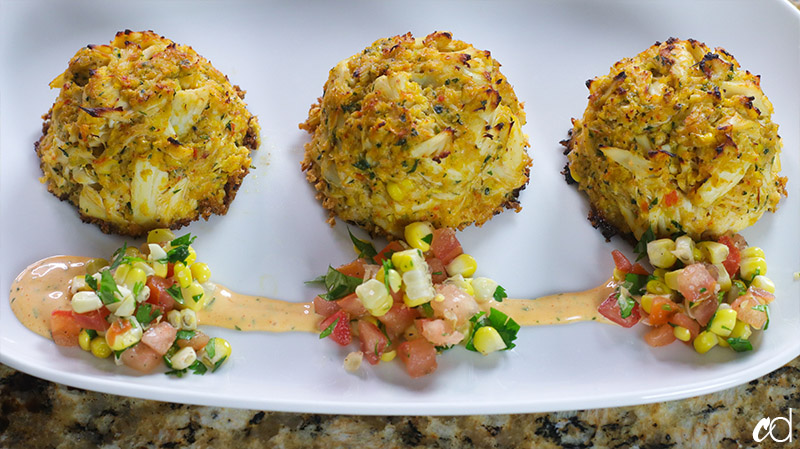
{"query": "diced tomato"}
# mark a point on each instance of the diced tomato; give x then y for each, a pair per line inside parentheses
(160, 337)
(117, 328)
(170, 269)
(63, 328)
(660, 336)
(398, 319)
(445, 245)
(684, 320)
(439, 332)
(95, 320)
(352, 305)
(744, 305)
(621, 262)
(639, 269)
(438, 272)
(704, 310)
(324, 307)
(456, 303)
(198, 341)
(140, 357)
(373, 342)
(341, 332)
(762, 295)
(662, 310)
(610, 309)
(354, 268)
(419, 357)
(731, 263)
(695, 283)
(387, 251)
(671, 198)
(159, 296)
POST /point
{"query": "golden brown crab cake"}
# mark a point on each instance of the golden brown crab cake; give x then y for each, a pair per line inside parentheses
(677, 138)
(417, 130)
(145, 134)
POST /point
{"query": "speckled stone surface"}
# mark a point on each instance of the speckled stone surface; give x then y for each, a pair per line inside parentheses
(39, 414)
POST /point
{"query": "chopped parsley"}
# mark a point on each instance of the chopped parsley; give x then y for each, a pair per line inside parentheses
(145, 314)
(175, 291)
(329, 330)
(428, 239)
(107, 288)
(763, 308)
(625, 303)
(641, 245)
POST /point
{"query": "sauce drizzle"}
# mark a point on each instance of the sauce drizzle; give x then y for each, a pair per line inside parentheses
(44, 287)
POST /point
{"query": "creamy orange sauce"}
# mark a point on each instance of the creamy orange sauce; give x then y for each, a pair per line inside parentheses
(44, 287)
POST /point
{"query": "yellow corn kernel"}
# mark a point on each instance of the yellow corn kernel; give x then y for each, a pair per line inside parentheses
(395, 191)
(741, 330)
(215, 350)
(753, 251)
(723, 279)
(658, 287)
(487, 340)
(681, 333)
(751, 267)
(463, 264)
(483, 289)
(388, 356)
(94, 265)
(419, 235)
(722, 341)
(174, 318)
(407, 260)
(764, 283)
(194, 296)
(188, 320)
(182, 274)
(133, 251)
(671, 278)
(100, 348)
(374, 297)
(684, 249)
(416, 301)
(85, 340)
(191, 258)
(144, 266)
(160, 236)
(183, 358)
(659, 252)
(618, 275)
(127, 338)
(135, 275)
(705, 341)
(713, 252)
(723, 323)
(395, 280)
(121, 272)
(159, 269)
(201, 272)
(659, 273)
(647, 302)
(698, 255)
(462, 283)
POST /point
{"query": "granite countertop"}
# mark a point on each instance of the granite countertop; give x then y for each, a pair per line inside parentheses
(38, 414)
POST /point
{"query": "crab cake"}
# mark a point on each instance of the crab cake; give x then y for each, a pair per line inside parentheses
(417, 130)
(145, 134)
(677, 138)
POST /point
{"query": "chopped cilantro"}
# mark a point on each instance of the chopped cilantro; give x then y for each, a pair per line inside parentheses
(427, 309)
(740, 344)
(641, 245)
(219, 363)
(145, 314)
(365, 249)
(118, 255)
(635, 283)
(428, 239)
(107, 287)
(503, 324)
(137, 288)
(625, 303)
(175, 291)
(338, 284)
(499, 294)
(184, 335)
